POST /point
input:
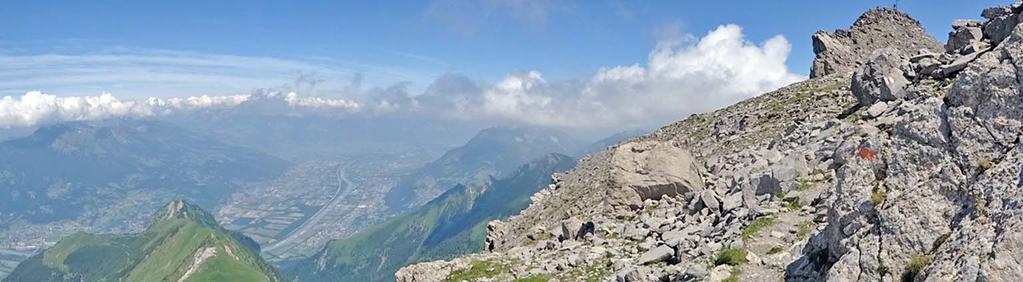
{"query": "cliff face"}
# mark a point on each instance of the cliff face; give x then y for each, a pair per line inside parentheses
(897, 160)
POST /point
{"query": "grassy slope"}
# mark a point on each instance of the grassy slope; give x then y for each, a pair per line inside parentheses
(451, 225)
(164, 252)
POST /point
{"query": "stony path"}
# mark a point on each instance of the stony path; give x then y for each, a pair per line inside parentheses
(774, 247)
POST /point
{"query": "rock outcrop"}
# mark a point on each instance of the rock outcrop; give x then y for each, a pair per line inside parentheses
(844, 50)
(899, 160)
(924, 192)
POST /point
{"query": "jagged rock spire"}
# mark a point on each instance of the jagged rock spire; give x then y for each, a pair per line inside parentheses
(844, 50)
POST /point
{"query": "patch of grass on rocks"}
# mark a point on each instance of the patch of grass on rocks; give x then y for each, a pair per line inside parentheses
(589, 273)
(805, 184)
(878, 196)
(730, 256)
(805, 228)
(792, 203)
(757, 225)
(535, 278)
(478, 270)
(733, 276)
(916, 264)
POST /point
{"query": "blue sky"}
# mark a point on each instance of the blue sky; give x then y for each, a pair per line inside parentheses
(562, 39)
(185, 48)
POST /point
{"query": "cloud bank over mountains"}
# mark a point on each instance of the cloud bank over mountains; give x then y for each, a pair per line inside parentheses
(36, 108)
(680, 77)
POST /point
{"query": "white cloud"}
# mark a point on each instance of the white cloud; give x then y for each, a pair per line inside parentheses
(678, 79)
(35, 108)
(294, 100)
(682, 75)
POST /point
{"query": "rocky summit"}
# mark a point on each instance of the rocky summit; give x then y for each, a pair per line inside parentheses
(898, 160)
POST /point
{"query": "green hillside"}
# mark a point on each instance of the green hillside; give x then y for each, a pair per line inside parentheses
(183, 243)
(448, 226)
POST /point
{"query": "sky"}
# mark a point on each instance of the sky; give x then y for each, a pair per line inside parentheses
(544, 62)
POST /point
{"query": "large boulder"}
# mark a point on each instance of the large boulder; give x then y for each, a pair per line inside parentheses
(964, 36)
(649, 170)
(883, 77)
(843, 51)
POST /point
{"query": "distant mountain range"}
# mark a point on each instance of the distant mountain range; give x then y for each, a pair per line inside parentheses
(96, 176)
(452, 224)
(492, 152)
(78, 170)
(315, 137)
(183, 243)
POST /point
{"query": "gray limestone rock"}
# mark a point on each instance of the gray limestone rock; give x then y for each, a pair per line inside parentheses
(649, 170)
(673, 238)
(710, 200)
(877, 109)
(1000, 21)
(963, 34)
(658, 254)
(843, 51)
(960, 63)
(881, 78)
(731, 202)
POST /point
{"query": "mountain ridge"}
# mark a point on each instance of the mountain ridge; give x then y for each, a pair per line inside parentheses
(491, 152)
(59, 161)
(897, 160)
(181, 244)
(449, 225)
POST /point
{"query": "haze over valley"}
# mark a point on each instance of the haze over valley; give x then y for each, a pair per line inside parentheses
(498, 140)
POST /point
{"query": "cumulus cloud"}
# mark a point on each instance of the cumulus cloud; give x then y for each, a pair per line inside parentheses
(682, 75)
(35, 108)
(294, 100)
(678, 79)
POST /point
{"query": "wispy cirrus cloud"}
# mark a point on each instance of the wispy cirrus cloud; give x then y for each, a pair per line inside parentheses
(133, 72)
